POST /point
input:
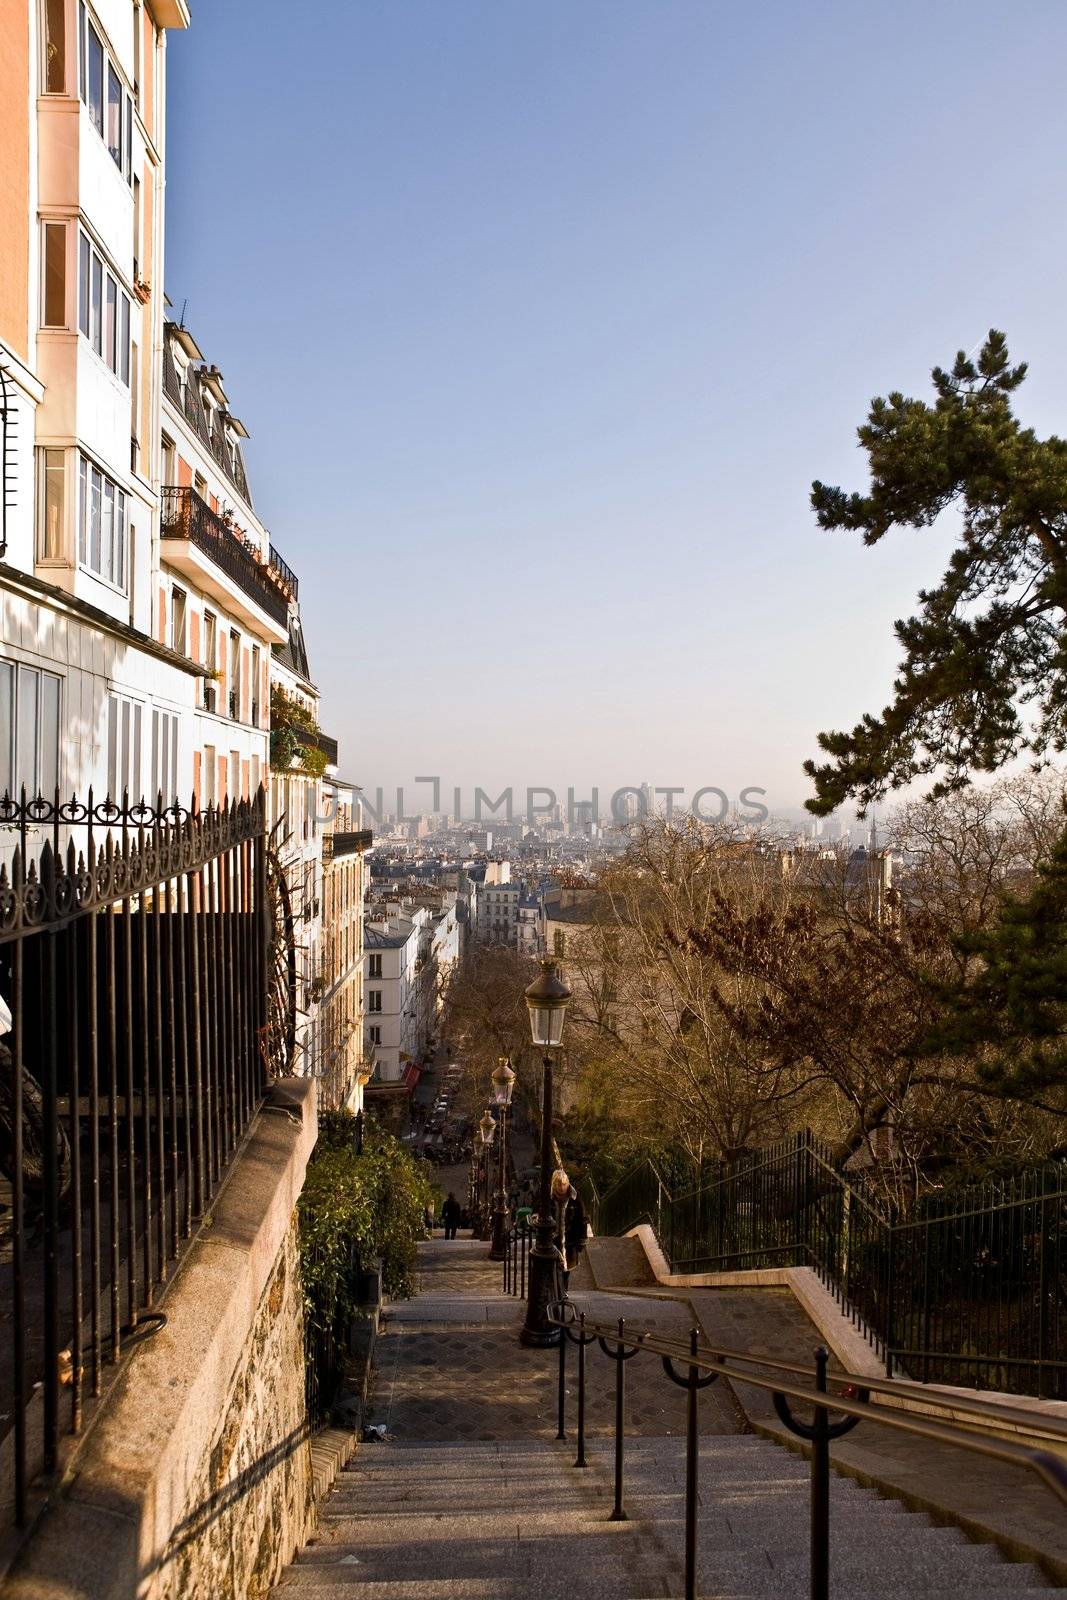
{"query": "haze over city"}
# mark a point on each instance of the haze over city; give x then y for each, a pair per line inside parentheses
(553, 312)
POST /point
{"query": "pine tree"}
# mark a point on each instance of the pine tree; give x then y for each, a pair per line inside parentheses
(989, 640)
(983, 679)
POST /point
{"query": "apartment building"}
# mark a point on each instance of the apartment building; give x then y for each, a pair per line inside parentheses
(222, 593)
(340, 1061)
(395, 1016)
(498, 912)
(85, 682)
(303, 758)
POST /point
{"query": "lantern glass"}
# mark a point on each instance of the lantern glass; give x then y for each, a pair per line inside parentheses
(503, 1082)
(547, 999)
(487, 1128)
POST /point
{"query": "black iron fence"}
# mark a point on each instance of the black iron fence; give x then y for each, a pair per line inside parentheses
(968, 1287)
(133, 966)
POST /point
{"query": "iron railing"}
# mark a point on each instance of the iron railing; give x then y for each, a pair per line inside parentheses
(285, 572)
(968, 1287)
(133, 962)
(516, 1256)
(185, 515)
(968, 1424)
(346, 844)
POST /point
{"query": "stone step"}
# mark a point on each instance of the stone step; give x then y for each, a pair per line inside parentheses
(517, 1586)
(880, 1562)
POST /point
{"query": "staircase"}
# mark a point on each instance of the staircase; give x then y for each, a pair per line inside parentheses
(477, 1501)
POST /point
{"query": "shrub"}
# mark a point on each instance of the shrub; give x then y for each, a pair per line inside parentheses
(370, 1205)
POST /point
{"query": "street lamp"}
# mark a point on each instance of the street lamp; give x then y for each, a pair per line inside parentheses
(486, 1134)
(503, 1081)
(547, 999)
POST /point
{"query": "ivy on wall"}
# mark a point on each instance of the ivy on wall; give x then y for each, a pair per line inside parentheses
(289, 720)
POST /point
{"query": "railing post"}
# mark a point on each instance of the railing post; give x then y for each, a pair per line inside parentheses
(561, 1397)
(890, 1291)
(580, 1460)
(620, 1355)
(692, 1467)
(820, 1488)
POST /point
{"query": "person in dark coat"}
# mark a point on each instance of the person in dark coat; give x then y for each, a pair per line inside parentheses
(451, 1212)
(575, 1230)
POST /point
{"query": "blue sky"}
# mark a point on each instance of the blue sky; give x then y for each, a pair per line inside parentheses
(543, 314)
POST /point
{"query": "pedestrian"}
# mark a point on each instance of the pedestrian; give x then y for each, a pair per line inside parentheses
(576, 1230)
(450, 1215)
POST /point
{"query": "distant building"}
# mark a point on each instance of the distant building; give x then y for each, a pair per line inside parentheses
(528, 927)
(498, 912)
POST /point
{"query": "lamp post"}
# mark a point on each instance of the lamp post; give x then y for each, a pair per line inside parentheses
(546, 999)
(503, 1081)
(486, 1134)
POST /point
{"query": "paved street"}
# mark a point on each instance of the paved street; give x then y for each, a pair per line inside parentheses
(449, 1365)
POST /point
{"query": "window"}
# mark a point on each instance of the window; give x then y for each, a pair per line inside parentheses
(55, 47)
(136, 229)
(96, 306)
(235, 675)
(123, 746)
(374, 1001)
(100, 85)
(123, 366)
(29, 729)
(164, 756)
(53, 486)
(55, 275)
(103, 310)
(84, 256)
(255, 685)
(114, 115)
(209, 778)
(178, 608)
(94, 91)
(558, 943)
(375, 970)
(102, 508)
(235, 774)
(168, 478)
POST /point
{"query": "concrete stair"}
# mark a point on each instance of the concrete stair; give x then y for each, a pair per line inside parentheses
(468, 1521)
(506, 1515)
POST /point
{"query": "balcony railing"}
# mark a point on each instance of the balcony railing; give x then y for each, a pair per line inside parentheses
(285, 572)
(186, 516)
(346, 844)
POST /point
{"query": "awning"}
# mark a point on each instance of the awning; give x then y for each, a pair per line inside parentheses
(412, 1073)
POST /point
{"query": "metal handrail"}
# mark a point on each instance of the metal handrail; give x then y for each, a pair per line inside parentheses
(789, 1382)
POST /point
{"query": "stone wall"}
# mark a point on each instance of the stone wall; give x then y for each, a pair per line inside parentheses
(251, 1500)
(193, 1482)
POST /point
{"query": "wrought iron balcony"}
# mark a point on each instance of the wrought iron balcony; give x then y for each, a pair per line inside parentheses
(285, 572)
(346, 844)
(186, 516)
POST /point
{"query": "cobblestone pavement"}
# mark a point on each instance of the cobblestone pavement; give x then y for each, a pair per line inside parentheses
(448, 1364)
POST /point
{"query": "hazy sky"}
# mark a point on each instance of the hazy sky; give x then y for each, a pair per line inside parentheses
(543, 314)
